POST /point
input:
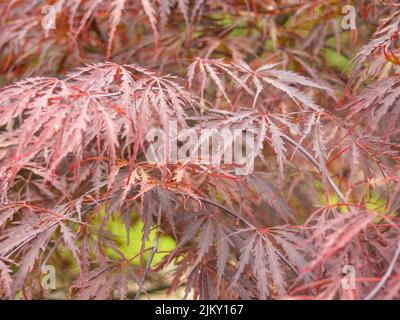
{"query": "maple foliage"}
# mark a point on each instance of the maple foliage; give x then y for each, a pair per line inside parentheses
(77, 104)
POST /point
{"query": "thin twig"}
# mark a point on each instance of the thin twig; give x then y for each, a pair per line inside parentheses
(387, 274)
(249, 224)
(146, 271)
(152, 254)
(302, 150)
(316, 164)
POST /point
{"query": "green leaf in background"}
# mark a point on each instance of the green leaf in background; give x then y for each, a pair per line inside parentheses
(117, 227)
(337, 61)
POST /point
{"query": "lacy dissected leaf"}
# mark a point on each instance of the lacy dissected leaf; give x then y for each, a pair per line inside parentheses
(5, 280)
(37, 246)
(271, 254)
(338, 234)
(383, 40)
(378, 103)
(68, 116)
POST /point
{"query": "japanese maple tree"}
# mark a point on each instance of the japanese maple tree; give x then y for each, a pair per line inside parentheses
(83, 82)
